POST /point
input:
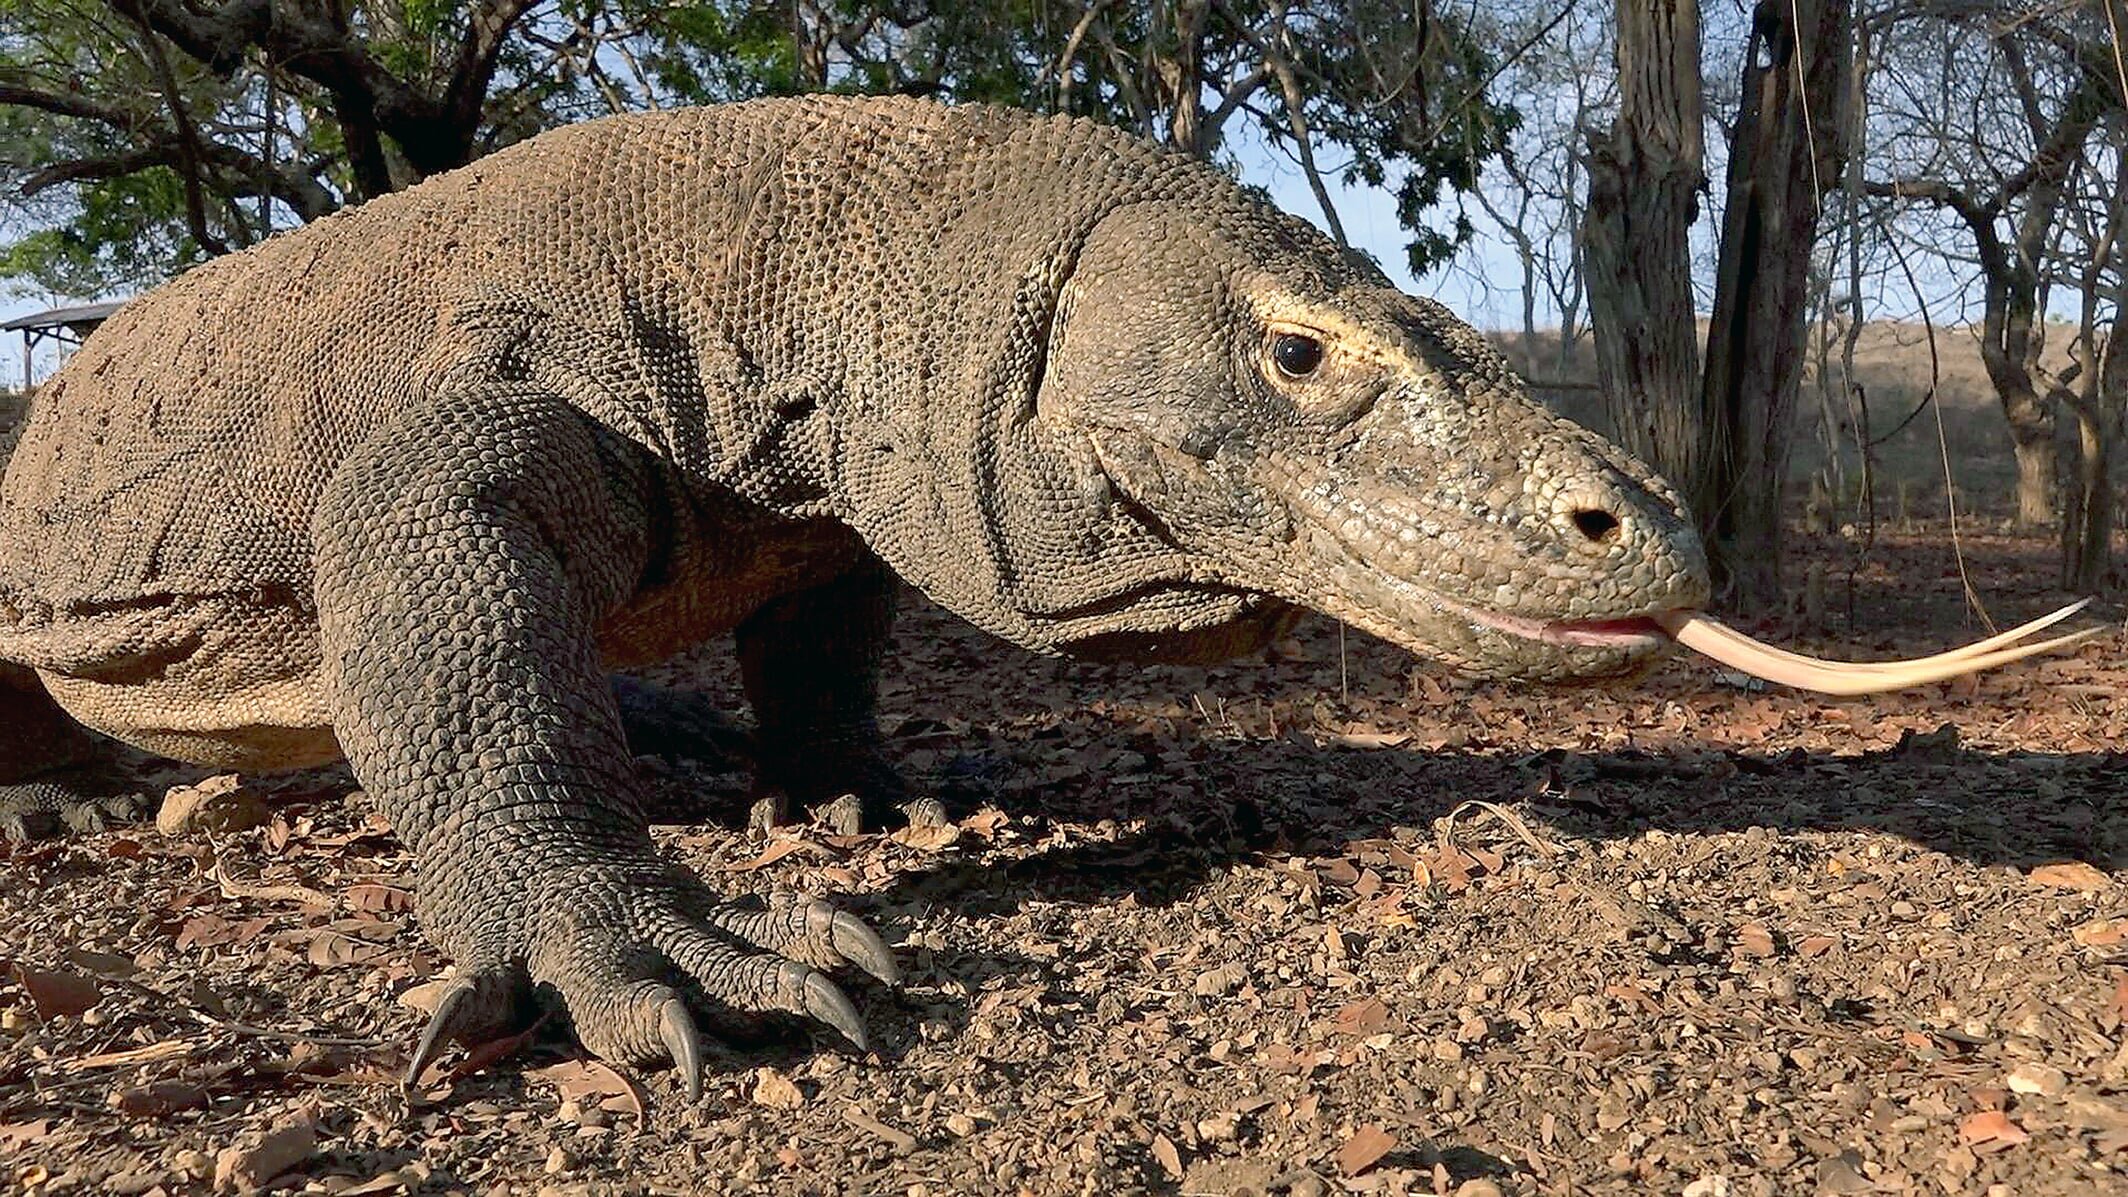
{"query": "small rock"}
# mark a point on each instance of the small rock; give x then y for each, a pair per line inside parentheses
(2033, 1077)
(960, 1125)
(220, 803)
(1841, 1174)
(1478, 1188)
(1220, 1129)
(1220, 981)
(247, 1169)
(776, 1091)
(129, 1184)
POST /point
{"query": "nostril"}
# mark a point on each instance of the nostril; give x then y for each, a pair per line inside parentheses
(1599, 526)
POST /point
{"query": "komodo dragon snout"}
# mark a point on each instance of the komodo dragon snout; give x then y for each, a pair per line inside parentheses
(1299, 428)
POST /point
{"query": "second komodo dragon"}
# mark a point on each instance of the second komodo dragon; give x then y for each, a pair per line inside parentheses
(409, 482)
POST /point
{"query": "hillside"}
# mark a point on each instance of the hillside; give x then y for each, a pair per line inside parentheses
(1893, 365)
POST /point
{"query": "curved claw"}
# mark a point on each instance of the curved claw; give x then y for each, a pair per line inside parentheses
(451, 1009)
(863, 947)
(827, 1003)
(677, 1028)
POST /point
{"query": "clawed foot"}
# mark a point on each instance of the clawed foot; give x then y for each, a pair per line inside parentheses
(37, 808)
(639, 968)
(849, 815)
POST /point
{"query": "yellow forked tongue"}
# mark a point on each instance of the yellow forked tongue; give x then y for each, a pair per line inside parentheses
(1738, 651)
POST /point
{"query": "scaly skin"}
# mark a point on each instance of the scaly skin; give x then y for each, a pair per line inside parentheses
(409, 482)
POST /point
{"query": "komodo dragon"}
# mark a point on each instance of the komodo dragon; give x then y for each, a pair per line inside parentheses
(408, 482)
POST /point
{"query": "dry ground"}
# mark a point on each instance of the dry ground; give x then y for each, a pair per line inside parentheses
(1324, 924)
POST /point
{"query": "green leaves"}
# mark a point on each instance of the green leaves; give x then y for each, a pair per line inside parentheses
(123, 234)
(92, 173)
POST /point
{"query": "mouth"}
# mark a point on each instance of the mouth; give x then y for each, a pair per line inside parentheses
(1635, 632)
(1705, 635)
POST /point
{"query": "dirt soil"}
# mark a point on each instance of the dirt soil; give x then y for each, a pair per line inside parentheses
(1322, 924)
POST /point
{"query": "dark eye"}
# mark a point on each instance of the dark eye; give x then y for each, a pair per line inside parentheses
(1297, 356)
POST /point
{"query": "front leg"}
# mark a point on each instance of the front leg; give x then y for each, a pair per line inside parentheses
(810, 661)
(464, 559)
(52, 771)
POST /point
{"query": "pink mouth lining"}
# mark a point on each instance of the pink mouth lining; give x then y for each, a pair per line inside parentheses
(1637, 632)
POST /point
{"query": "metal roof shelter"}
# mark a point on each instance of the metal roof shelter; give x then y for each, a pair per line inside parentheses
(68, 326)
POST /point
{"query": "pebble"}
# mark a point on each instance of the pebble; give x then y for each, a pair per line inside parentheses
(2032, 1077)
(220, 803)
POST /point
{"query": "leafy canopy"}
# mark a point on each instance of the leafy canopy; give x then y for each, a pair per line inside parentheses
(138, 137)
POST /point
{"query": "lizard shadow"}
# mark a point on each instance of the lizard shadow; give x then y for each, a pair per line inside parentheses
(1225, 801)
(1159, 836)
(1199, 791)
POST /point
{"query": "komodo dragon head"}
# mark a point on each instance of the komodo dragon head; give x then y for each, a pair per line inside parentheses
(1229, 417)
(1302, 429)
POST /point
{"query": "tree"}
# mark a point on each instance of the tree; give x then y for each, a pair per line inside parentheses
(106, 159)
(1719, 428)
(135, 130)
(1784, 158)
(1645, 173)
(1534, 200)
(2093, 387)
(2015, 99)
(137, 136)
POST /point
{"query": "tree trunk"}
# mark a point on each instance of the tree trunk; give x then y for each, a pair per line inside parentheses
(1784, 157)
(1644, 178)
(2092, 386)
(2031, 421)
(2087, 526)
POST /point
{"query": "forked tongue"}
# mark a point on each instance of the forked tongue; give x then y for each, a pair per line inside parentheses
(1738, 651)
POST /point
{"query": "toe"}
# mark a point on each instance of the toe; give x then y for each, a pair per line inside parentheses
(683, 1043)
(85, 818)
(843, 816)
(825, 1001)
(811, 931)
(479, 1004)
(862, 946)
(740, 986)
(925, 814)
(768, 812)
(629, 1022)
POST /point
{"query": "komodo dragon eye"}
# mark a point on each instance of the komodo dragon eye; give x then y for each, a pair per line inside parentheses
(1296, 354)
